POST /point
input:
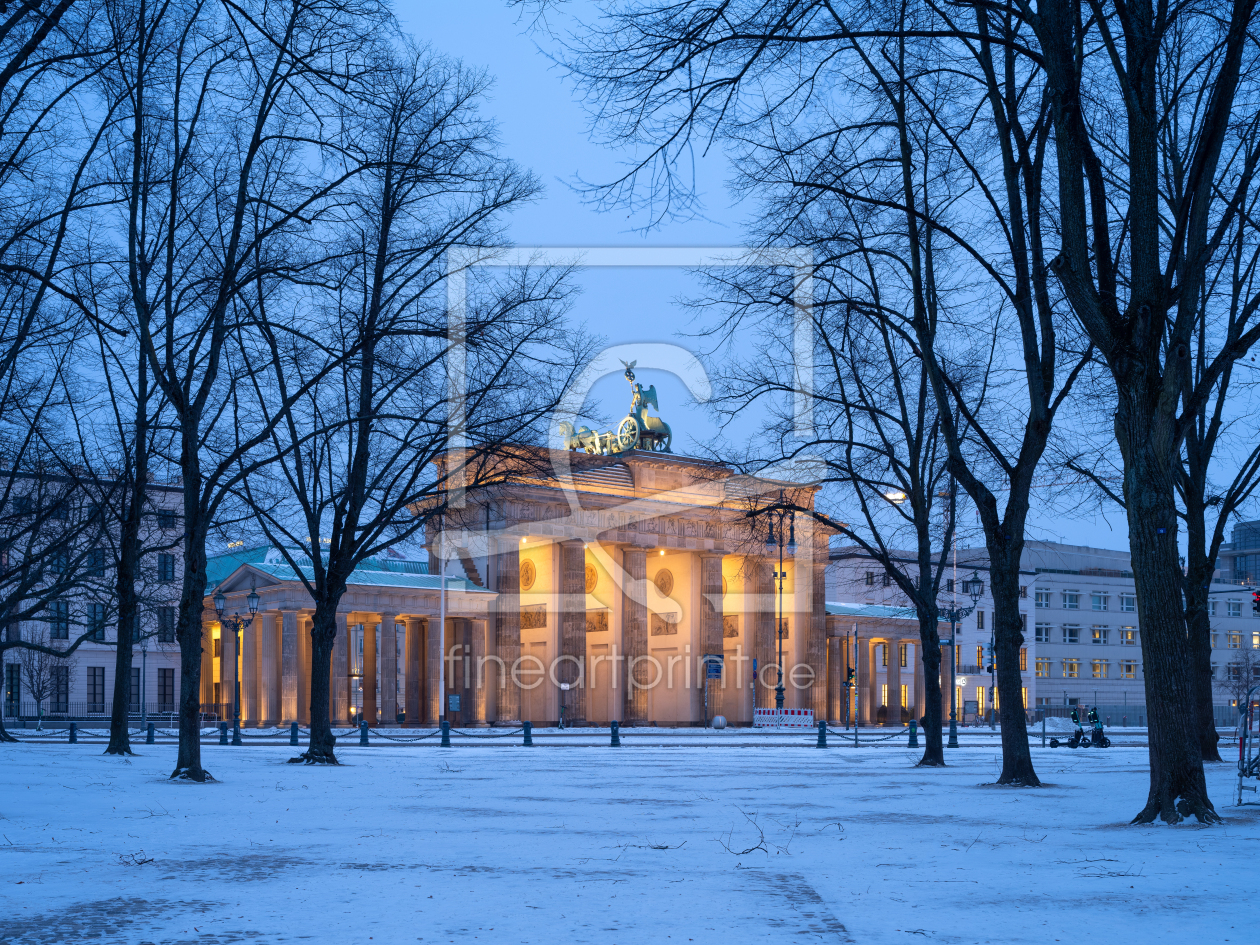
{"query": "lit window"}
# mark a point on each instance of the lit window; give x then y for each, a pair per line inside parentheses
(979, 656)
(1128, 636)
(1128, 669)
(1231, 672)
(883, 694)
(1255, 641)
(1023, 694)
(980, 699)
(1043, 598)
(903, 653)
(1071, 634)
(1023, 659)
(870, 578)
(1098, 635)
(905, 695)
(1098, 600)
(1128, 603)
(1233, 608)
(1235, 641)
(1043, 669)
(1098, 668)
(1042, 631)
(1071, 669)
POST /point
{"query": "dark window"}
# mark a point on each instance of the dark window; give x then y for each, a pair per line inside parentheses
(887, 580)
(133, 700)
(12, 688)
(166, 690)
(96, 621)
(949, 586)
(167, 519)
(59, 700)
(979, 619)
(96, 688)
(13, 630)
(96, 562)
(59, 619)
(59, 561)
(218, 647)
(870, 578)
(166, 625)
(166, 567)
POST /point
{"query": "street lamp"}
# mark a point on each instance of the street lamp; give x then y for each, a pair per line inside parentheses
(975, 590)
(144, 675)
(237, 623)
(779, 515)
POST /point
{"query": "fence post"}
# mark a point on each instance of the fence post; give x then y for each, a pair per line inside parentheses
(236, 733)
(74, 733)
(223, 733)
(529, 735)
(293, 732)
(1043, 730)
(855, 739)
(446, 734)
(822, 735)
(148, 738)
(616, 734)
(363, 739)
(914, 733)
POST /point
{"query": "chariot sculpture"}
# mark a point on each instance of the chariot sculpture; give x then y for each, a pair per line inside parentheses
(638, 431)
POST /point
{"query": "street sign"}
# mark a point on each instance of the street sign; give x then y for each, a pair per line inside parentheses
(713, 666)
(452, 703)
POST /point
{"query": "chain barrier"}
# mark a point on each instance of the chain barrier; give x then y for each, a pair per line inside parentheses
(399, 738)
(869, 741)
(475, 735)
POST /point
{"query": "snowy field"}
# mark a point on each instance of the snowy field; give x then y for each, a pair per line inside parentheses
(584, 844)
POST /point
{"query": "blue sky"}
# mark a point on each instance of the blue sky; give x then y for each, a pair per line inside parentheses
(544, 128)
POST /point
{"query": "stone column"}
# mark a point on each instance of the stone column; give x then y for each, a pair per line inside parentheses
(482, 675)
(634, 635)
(207, 663)
(413, 680)
(369, 671)
(816, 645)
(387, 643)
(920, 683)
(507, 629)
(573, 629)
(711, 625)
(269, 668)
(763, 636)
(340, 679)
(304, 668)
(249, 671)
(862, 652)
(894, 681)
(288, 666)
(433, 668)
(227, 671)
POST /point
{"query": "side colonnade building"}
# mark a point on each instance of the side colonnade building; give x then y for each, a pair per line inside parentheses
(592, 594)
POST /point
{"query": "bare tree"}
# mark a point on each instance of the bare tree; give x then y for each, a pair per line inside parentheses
(938, 141)
(1152, 109)
(877, 445)
(367, 456)
(45, 671)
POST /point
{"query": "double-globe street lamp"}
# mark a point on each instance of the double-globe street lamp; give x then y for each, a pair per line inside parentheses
(954, 614)
(778, 516)
(236, 623)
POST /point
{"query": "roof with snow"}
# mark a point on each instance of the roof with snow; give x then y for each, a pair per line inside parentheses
(835, 609)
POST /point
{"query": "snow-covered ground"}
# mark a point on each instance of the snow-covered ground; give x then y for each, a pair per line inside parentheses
(499, 843)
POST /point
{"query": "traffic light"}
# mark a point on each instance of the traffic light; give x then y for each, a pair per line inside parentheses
(852, 673)
(1255, 602)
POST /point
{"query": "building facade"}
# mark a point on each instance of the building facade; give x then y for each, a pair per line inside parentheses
(634, 587)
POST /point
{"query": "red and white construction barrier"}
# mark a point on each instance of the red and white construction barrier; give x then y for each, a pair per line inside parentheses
(783, 718)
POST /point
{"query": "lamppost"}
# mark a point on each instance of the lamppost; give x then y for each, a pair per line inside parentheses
(144, 675)
(975, 589)
(779, 514)
(992, 667)
(237, 623)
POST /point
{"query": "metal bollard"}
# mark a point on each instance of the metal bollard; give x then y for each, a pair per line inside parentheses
(855, 738)
(529, 735)
(616, 734)
(363, 739)
(822, 735)
(914, 733)
(1043, 730)
(148, 738)
(446, 734)
(293, 733)
(236, 733)
(223, 733)
(74, 733)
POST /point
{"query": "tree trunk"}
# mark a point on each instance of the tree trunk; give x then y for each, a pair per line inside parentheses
(1178, 787)
(188, 633)
(1008, 639)
(933, 742)
(120, 710)
(1198, 581)
(322, 747)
